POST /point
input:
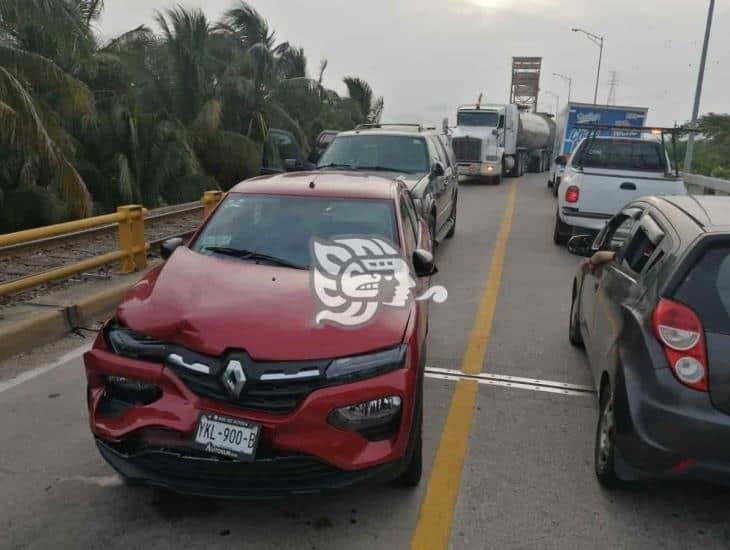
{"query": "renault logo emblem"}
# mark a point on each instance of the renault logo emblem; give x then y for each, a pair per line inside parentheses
(234, 378)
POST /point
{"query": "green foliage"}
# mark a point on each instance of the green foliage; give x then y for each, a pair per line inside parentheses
(154, 116)
(712, 149)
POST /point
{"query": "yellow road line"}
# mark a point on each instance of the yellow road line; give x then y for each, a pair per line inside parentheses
(437, 510)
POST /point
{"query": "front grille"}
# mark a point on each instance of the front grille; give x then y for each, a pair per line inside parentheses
(213, 471)
(191, 472)
(467, 149)
(274, 396)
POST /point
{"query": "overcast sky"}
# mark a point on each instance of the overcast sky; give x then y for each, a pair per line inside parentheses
(428, 56)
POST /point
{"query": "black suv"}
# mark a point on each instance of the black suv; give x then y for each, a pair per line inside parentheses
(419, 157)
(652, 307)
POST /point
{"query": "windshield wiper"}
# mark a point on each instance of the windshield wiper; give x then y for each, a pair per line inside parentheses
(252, 255)
(336, 166)
(383, 169)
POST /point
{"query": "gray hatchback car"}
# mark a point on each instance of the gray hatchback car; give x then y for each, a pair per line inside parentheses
(651, 305)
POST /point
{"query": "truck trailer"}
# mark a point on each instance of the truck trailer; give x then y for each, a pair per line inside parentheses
(495, 140)
(570, 135)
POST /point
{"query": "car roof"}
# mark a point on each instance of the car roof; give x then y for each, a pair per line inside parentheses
(708, 211)
(389, 132)
(322, 184)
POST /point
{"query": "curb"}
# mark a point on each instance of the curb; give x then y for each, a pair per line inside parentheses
(49, 326)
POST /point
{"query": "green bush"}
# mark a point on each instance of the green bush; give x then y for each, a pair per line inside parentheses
(231, 158)
(721, 172)
(32, 206)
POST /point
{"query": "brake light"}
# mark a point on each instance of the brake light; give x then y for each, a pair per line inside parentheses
(682, 336)
(572, 194)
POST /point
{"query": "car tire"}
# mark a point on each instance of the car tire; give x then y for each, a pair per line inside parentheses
(413, 473)
(432, 229)
(604, 449)
(574, 334)
(452, 231)
(556, 188)
(562, 231)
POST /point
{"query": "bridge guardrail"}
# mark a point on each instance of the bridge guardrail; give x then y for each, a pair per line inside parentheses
(704, 185)
(132, 251)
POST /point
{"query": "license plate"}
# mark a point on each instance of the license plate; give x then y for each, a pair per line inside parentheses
(227, 436)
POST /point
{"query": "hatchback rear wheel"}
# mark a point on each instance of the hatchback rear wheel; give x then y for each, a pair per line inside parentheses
(604, 452)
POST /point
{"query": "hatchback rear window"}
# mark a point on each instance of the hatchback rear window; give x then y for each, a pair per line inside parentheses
(706, 289)
(622, 155)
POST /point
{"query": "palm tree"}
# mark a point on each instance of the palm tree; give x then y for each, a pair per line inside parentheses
(41, 43)
(362, 93)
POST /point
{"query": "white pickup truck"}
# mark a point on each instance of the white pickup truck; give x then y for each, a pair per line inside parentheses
(603, 175)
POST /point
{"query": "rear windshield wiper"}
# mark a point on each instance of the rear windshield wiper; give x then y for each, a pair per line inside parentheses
(252, 255)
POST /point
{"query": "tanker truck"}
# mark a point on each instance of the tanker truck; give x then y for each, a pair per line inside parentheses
(491, 141)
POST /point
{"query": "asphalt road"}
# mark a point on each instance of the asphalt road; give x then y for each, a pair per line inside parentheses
(512, 471)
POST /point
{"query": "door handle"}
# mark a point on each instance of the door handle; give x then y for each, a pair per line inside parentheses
(628, 186)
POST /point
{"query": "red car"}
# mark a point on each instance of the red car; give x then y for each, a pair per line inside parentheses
(216, 375)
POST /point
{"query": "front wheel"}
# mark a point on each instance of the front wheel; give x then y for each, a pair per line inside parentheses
(574, 334)
(605, 452)
(452, 231)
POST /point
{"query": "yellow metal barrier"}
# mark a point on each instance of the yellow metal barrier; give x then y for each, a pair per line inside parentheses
(211, 200)
(132, 246)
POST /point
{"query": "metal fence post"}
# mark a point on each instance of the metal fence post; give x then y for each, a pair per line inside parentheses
(131, 237)
(210, 200)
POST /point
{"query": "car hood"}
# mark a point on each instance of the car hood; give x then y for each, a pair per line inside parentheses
(211, 304)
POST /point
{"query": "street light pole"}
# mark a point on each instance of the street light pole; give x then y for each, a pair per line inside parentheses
(698, 94)
(557, 100)
(598, 41)
(567, 79)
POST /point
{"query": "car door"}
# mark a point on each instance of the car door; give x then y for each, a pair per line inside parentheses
(452, 172)
(611, 239)
(620, 286)
(439, 184)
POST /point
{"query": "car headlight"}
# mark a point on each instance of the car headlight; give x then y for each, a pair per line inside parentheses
(366, 366)
(128, 343)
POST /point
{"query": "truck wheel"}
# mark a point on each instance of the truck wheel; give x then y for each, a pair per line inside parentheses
(562, 231)
(452, 231)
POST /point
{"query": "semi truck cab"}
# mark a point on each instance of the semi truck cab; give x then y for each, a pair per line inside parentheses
(492, 141)
(481, 136)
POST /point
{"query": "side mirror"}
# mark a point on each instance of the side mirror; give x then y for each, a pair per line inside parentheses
(495, 132)
(562, 160)
(437, 170)
(423, 263)
(581, 245)
(169, 246)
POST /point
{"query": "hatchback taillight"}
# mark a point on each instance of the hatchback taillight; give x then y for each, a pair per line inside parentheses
(682, 336)
(572, 194)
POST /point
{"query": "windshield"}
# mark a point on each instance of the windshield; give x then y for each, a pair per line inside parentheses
(623, 155)
(383, 152)
(489, 119)
(283, 226)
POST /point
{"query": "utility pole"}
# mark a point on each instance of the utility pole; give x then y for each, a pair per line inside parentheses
(612, 84)
(598, 41)
(698, 94)
(567, 79)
